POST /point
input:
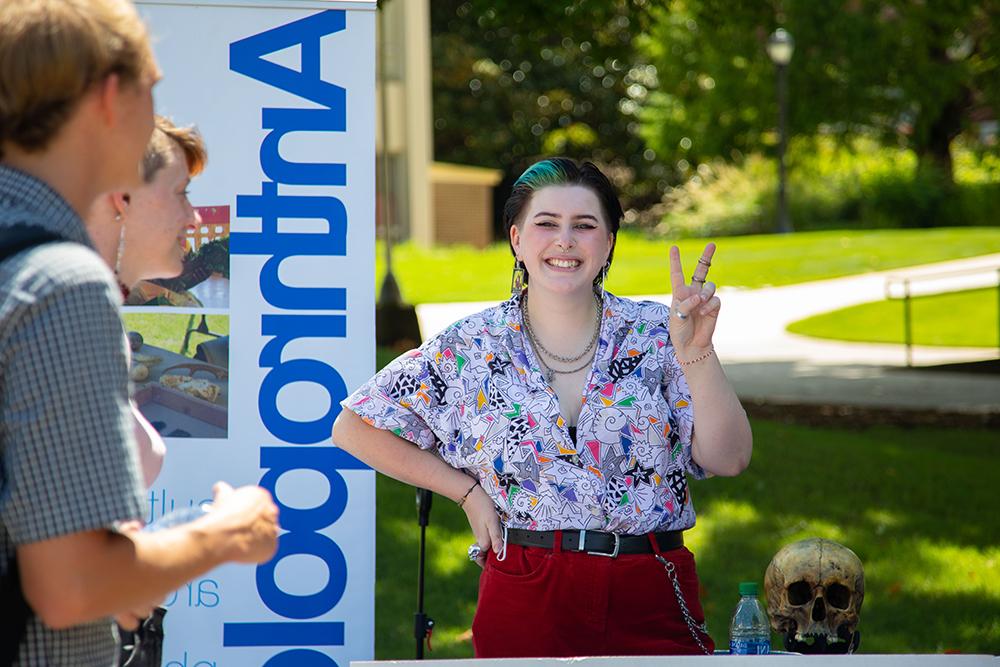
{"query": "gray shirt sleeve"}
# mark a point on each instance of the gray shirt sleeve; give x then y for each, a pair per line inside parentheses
(69, 460)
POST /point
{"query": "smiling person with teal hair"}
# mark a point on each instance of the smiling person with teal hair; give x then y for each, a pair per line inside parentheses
(565, 422)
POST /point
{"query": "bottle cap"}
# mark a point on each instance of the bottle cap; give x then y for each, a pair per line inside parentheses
(748, 588)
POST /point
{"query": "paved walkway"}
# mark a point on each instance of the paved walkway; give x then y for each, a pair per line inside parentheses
(766, 364)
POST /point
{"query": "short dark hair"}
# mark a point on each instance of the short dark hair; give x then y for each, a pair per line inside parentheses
(562, 171)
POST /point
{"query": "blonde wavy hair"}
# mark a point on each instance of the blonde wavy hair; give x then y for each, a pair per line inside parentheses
(53, 51)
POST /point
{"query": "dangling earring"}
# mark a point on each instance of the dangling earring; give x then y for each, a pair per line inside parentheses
(517, 278)
(121, 245)
(599, 281)
(126, 292)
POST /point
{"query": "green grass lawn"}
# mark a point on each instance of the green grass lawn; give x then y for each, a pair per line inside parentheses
(959, 319)
(167, 330)
(453, 273)
(917, 506)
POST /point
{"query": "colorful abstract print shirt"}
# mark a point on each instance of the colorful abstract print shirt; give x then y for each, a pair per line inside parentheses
(475, 394)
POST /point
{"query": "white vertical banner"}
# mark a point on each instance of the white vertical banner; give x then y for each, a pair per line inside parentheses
(283, 93)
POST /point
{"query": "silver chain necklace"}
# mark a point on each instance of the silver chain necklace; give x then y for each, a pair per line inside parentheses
(550, 372)
(538, 343)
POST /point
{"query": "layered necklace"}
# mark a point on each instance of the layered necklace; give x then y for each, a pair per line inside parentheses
(550, 372)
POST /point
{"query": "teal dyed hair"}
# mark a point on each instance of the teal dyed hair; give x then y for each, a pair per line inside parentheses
(540, 174)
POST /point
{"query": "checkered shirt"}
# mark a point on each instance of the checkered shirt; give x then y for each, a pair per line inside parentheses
(67, 454)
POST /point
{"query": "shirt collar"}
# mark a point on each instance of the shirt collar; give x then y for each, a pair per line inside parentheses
(25, 199)
(616, 312)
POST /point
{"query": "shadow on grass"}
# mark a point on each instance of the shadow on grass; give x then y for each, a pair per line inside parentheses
(451, 581)
(916, 505)
(850, 396)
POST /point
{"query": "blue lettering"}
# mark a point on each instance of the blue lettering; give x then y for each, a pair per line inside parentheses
(246, 57)
(304, 525)
(283, 634)
(283, 121)
(269, 206)
(300, 657)
(300, 370)
(304, 606)
(324, 460)
(286, 328)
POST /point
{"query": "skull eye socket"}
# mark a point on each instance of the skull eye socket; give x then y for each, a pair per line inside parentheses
(799, 593)
(838, 596)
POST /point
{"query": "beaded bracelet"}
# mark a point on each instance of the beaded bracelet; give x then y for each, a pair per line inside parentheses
(461, 501)
(703, 357)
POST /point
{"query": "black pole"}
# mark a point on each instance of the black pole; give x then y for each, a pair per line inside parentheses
(389, 294)
(422, 623)
(784, 222)
(907, 324)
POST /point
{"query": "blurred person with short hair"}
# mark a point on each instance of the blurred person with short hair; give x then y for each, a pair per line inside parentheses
(76, 113)
(141, 234)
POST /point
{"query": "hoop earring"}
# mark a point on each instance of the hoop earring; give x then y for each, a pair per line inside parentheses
(518, 278)
(599, 281)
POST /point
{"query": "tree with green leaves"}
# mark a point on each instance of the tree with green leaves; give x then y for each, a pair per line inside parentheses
(517, 80)
(909, 72)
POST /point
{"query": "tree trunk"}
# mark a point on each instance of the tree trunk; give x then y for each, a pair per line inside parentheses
(934, 152)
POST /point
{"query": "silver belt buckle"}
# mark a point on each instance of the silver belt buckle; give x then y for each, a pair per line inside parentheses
(613, 554)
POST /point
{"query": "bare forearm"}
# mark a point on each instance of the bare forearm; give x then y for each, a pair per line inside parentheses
(723, 442)
(83, 576)
(111, 571)
(398, 458)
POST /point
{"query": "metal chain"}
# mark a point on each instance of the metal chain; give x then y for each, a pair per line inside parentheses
(550, 372)
(693, 627)
(538, 344)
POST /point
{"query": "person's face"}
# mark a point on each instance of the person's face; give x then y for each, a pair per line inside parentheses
(158, 215)
(563, 239)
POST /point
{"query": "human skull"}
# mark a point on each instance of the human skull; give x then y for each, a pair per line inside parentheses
(814, 591)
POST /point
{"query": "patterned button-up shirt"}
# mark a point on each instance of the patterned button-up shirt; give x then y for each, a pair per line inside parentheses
(67, 452)
(476, 395)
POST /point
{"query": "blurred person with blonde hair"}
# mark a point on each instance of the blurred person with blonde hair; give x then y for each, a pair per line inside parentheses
(76, 113)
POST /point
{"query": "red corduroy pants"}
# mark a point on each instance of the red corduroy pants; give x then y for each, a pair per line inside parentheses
(553, 603)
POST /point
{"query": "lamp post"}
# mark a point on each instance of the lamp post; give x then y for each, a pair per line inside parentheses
(396, 324)
(780, 47)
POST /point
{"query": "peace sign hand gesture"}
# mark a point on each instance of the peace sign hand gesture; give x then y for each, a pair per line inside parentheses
(694, 309)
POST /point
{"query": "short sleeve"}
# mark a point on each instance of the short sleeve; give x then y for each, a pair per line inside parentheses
(415, 397)
(678, 396)
(68, 452)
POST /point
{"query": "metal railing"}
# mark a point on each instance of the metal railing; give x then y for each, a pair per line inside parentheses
(908, 283)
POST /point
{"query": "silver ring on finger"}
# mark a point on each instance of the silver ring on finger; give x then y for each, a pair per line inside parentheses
(698, 280)
(679, 314)
(475, 551)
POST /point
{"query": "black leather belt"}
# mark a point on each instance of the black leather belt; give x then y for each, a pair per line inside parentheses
(596, 542)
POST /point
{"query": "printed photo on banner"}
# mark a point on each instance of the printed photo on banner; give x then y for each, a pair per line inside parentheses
(180, 372)
(204, 282)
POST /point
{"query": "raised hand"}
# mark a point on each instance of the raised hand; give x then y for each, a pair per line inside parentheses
(694, 309)
(249, 518)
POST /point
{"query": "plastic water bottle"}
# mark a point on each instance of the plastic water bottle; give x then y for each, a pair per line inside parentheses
(179, 516)
(750, 631)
